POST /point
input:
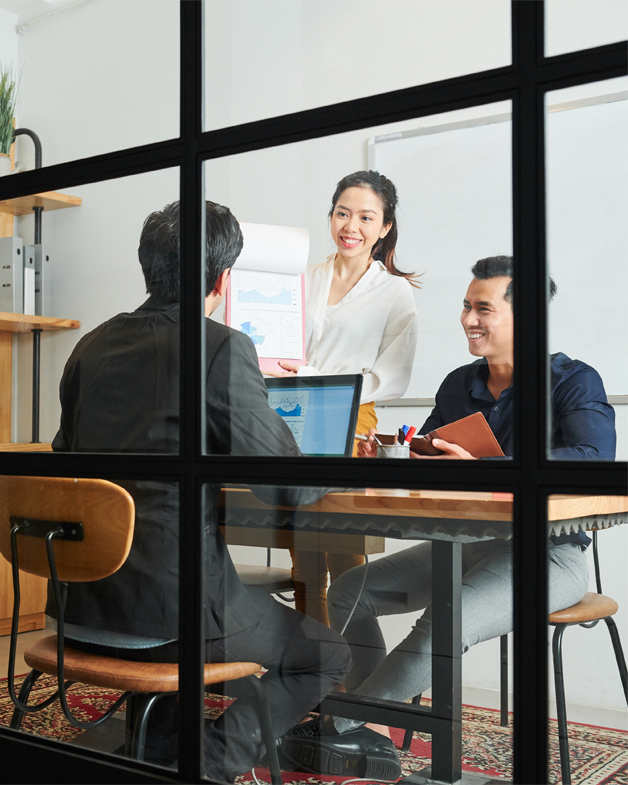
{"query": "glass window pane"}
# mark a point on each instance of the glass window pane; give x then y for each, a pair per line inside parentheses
(384, 611)
(594, 701)
(116, 557)
(91, 287)
(587, 201)
(96, 77)
(571, 25)
(265, 58)
(452, 175)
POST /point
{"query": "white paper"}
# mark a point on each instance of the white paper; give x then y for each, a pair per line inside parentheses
(266, 301)
(268, 307)
(273, 249)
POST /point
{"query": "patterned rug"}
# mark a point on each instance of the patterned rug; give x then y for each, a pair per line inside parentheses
(599, 756)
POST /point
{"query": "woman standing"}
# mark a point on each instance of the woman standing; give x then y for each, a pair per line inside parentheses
(360, 318)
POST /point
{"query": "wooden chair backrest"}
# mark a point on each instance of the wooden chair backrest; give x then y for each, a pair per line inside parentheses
(106, 511)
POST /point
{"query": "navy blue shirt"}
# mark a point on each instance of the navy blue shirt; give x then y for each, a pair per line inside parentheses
(582, 421)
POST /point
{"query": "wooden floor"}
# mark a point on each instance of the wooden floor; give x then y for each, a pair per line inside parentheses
(24, 640)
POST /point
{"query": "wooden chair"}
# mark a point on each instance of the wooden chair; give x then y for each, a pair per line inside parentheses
(77, 530)
(591, 609)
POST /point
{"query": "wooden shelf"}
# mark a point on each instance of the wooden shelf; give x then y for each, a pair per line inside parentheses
(50, 200)
(23, 323)
(26, 447)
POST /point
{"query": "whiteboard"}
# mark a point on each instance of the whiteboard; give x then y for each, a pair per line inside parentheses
(455, 206)
(454, 187)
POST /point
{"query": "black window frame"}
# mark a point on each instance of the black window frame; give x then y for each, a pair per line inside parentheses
(531, 476)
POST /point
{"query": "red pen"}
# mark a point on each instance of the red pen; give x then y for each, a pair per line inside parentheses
(410, 434)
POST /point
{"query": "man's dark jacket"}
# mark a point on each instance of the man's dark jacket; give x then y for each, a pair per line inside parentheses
(120, 393)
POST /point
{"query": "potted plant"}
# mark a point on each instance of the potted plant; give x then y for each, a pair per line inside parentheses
(8, 100)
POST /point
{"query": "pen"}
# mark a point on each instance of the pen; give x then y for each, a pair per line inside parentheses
(364, 438)
(410, 434)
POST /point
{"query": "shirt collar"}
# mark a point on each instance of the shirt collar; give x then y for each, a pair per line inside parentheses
(154, 304)
(479, 383)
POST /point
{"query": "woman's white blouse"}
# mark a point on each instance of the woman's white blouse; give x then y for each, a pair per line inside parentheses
(372, 330)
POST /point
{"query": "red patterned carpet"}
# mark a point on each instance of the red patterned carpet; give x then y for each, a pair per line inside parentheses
(599, 756)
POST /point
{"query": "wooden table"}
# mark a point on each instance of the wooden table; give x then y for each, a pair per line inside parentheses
(358, 522)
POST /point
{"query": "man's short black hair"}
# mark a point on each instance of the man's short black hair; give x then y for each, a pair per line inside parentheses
(159, 249)
(498, 266)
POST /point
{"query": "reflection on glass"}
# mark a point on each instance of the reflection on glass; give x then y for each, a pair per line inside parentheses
(113, 593)
(571, 25)
(269, 58)
(100, 325)
(383, 609)
(380, 301)
(587, 177)
(89, 84)
(587, 703)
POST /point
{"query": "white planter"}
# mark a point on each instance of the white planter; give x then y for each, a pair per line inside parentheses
(5, 164)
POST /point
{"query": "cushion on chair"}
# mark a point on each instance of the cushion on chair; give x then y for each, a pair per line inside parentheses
(269, 578)
(590, 608)
(125, 675)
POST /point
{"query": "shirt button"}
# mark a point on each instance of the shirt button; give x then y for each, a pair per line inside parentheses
(495, 408)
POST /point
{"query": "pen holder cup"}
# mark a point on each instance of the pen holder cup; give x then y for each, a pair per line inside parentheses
(393, 451)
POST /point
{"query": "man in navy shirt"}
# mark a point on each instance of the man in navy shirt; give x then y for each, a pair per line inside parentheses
(582, 427)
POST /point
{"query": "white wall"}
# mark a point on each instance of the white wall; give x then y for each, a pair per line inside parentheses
(309, 54)
(102, 78)
(8, 38)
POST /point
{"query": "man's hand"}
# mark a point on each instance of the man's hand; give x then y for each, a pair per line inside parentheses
(368, 449)
(452, 452)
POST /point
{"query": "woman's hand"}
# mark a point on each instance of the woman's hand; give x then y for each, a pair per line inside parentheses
(290, 369)
(452, 452)
(368, 449)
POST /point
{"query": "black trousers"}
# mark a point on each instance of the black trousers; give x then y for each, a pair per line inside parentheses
(304, 659)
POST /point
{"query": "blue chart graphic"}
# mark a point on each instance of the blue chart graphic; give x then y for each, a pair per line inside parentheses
(249, 329)
(296, 412)
(283, 298)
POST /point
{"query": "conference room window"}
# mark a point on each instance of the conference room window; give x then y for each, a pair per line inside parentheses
(271, 58)
(87, 85)
(390, 570)
(115, 645)
(587, 708)
(587, 247)
(582, 24)
(263, 132)
(394, 338)
(84, 288)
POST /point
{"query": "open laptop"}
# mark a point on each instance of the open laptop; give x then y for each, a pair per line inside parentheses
(321, 411)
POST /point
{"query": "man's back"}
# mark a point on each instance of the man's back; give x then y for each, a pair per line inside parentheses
(120, 388)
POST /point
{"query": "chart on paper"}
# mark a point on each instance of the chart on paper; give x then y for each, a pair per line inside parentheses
(268, 308)
(292, 408)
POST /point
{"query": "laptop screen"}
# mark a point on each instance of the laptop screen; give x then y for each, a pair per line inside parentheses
(321, 411)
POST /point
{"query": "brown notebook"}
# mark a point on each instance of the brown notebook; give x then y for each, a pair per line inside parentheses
(472, 433)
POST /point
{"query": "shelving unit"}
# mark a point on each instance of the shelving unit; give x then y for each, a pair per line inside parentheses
(33, 589)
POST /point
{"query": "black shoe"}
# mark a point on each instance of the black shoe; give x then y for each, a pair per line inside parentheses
(357, 753)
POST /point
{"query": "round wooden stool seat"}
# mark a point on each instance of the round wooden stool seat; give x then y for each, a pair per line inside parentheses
(591, 607)
(125, 675)
(269, 578)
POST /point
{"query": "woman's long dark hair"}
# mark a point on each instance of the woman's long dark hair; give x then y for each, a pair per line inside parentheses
(384, 248)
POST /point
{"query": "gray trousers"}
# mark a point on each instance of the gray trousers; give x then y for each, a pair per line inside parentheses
(401, 583)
